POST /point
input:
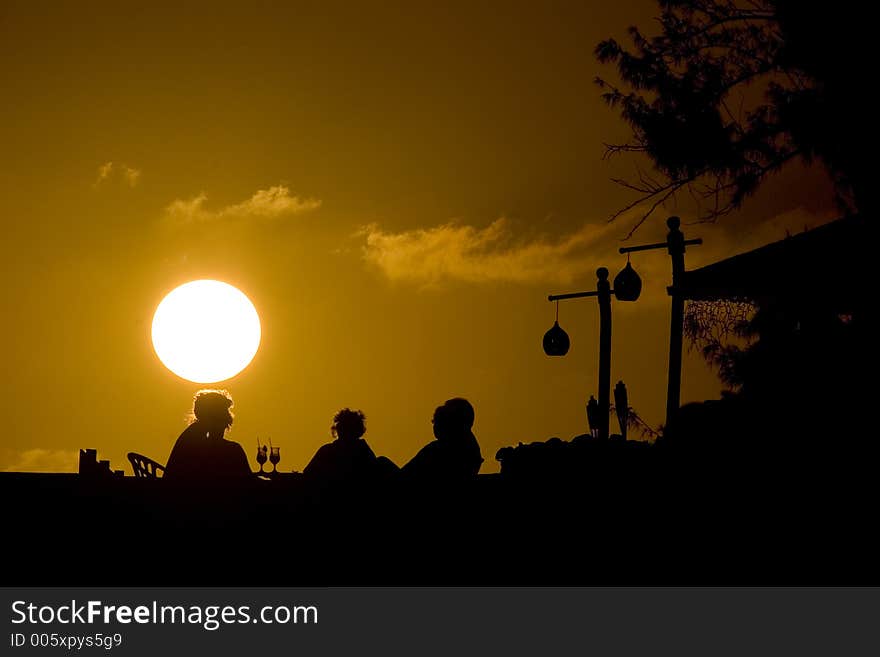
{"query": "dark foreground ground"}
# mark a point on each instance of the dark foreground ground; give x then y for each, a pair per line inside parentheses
(642, 520)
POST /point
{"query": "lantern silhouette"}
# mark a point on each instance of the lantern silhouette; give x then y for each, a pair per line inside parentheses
(556, 341)
(627, 284)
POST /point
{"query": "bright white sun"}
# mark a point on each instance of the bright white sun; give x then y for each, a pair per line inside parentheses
(206, 331)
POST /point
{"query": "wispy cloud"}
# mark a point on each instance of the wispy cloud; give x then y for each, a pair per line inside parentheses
(274, 202)
(107, 171)
(131, 175)
(43, 460)
(104, 172)
(461, 252)
(492, 254)
(190, 209)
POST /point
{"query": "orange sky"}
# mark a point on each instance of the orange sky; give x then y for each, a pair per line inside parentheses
(396, 187)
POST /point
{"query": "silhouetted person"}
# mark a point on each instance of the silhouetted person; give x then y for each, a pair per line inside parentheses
(201, 451)
(348, 457)
(455, 455)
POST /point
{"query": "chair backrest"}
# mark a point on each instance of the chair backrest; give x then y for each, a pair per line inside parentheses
(145, 467)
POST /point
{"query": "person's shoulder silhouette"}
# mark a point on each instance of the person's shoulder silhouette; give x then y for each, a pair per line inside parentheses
(201, 451)
(348, 456)
(455, 454)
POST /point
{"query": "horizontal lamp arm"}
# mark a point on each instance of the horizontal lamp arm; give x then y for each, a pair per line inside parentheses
(643, 247)
(572, 295)
(658, 245)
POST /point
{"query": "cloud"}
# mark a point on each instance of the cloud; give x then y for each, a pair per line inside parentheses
(104, 172)
(190, 209)
(265, 203)
(461, 252)
(43, 460)
(129, 175)
(492, 254)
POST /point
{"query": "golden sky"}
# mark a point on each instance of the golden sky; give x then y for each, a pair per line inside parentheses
(397, 187)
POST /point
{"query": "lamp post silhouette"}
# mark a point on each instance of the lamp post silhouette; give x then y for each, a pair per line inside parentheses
(556, 341)
(675, 245)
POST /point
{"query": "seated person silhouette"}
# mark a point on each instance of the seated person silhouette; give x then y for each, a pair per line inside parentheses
(455, 455)
(201, 452)
(348, 457)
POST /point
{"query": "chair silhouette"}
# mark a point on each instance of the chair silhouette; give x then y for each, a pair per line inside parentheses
(145, 468)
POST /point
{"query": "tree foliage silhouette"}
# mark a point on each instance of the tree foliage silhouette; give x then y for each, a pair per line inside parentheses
(730, 91)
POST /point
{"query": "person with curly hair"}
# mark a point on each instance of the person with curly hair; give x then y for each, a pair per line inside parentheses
(349, 457)
(201, 451)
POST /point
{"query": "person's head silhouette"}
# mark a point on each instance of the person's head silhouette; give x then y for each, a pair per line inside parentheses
(348, 425)
(441, 422)
(454, 418)
(212, 408)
